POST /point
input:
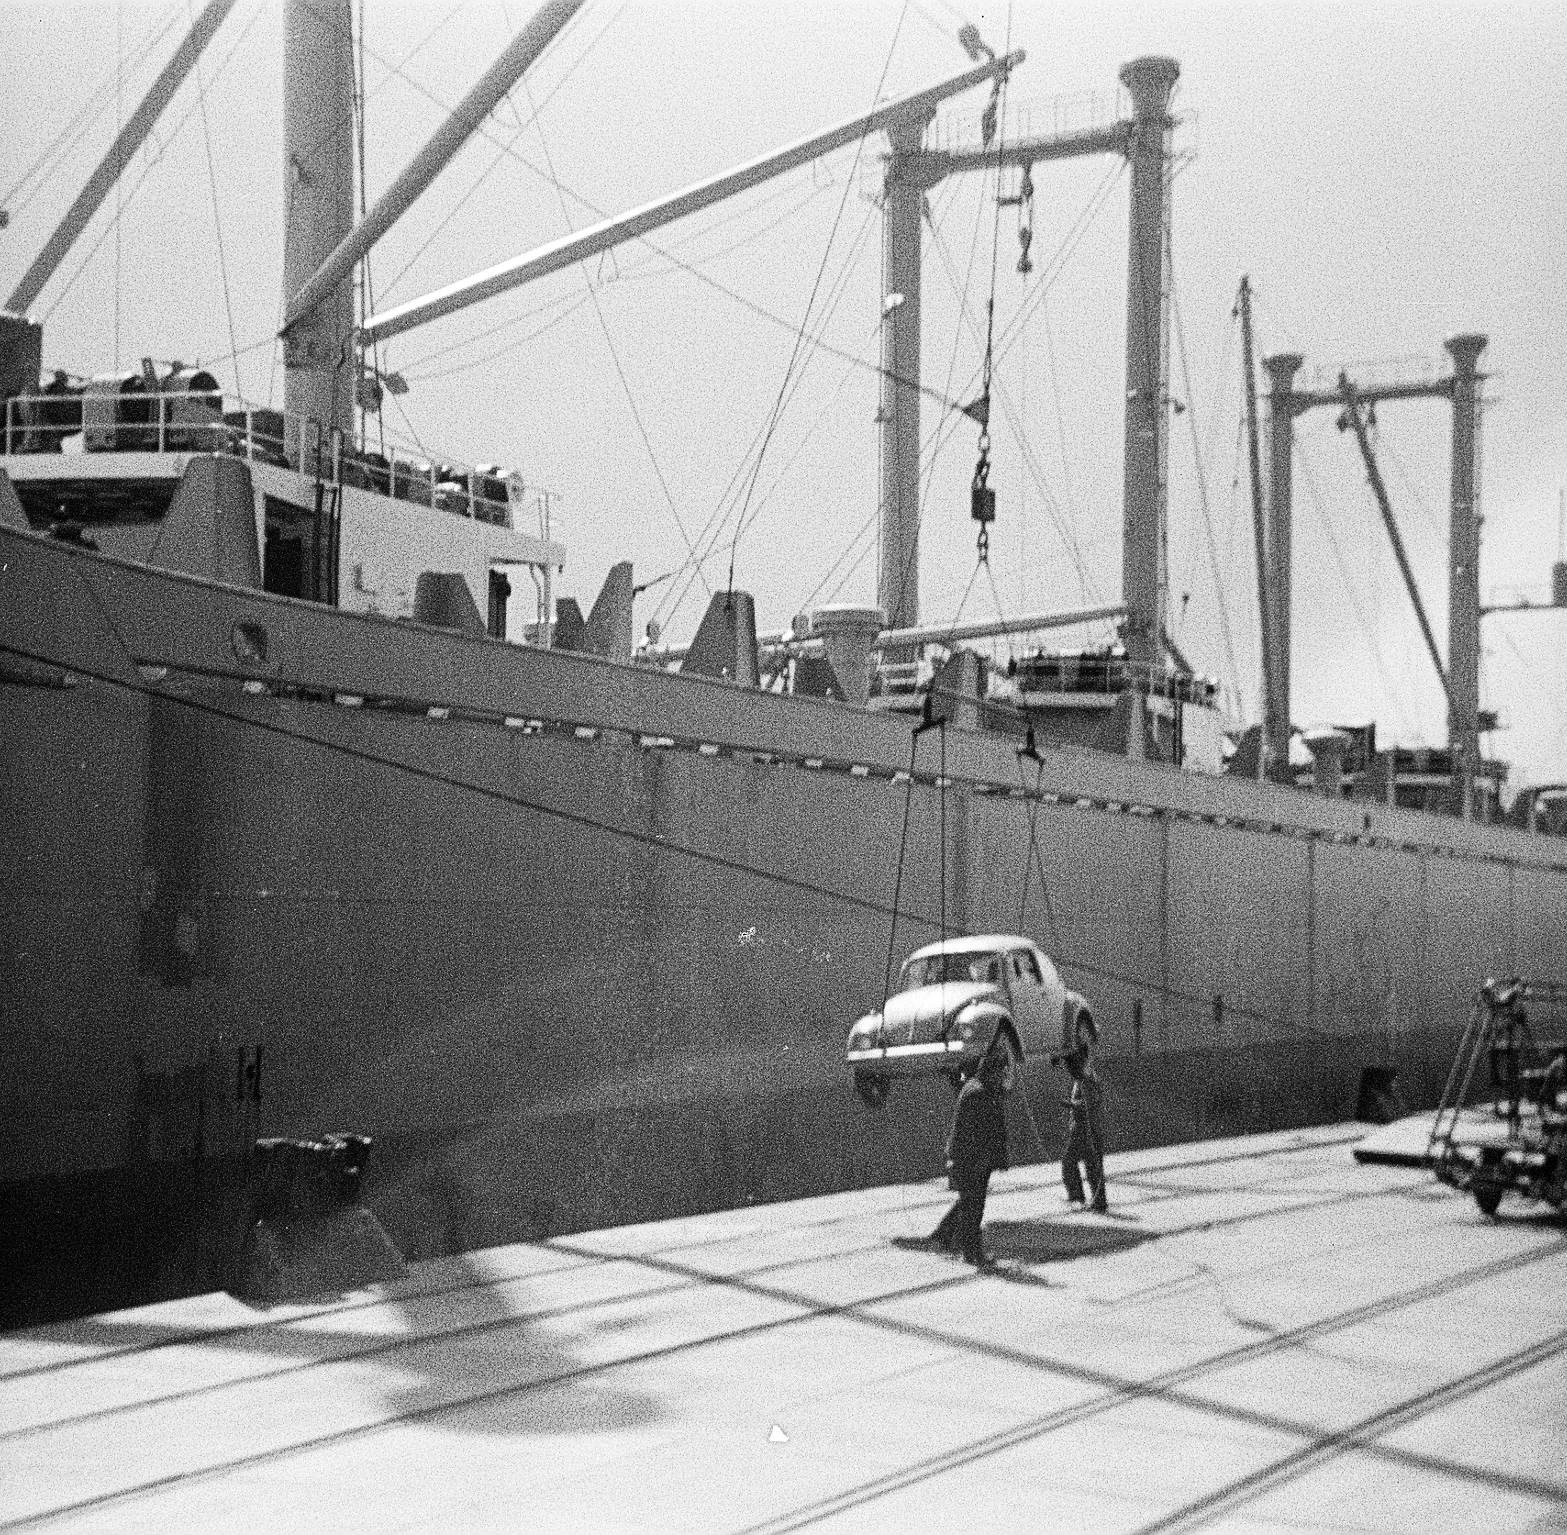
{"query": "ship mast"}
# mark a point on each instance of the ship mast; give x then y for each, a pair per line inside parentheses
(1258, 525)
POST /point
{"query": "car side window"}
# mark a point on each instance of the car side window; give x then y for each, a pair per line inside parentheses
(1027, 967)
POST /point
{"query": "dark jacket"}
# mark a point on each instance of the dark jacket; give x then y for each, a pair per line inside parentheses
(977, 1142)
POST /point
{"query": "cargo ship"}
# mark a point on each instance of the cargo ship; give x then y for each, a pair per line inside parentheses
(299, 839)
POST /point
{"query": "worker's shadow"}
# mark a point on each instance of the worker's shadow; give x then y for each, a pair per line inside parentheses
(1043, 1241)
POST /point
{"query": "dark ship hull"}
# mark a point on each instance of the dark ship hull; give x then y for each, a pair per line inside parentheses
(578, 943)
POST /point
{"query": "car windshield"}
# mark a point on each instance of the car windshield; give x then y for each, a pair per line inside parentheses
(932, 969)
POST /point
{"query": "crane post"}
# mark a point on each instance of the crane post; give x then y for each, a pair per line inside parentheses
(1283, 406)
(1259, 529)
(1144, 570)
(1463, 574)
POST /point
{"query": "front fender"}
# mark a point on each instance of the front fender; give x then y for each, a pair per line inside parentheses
(984, 1019)
(1074, 1005)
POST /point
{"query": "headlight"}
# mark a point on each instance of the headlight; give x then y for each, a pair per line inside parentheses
(963, 1026)
(863, 1035)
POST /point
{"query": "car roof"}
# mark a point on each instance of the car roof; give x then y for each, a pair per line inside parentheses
(975, 943)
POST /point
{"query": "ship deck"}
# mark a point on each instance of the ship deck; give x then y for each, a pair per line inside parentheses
(1263, 1334)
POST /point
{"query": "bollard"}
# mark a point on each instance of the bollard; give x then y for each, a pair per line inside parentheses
(1380, 1102)
(308, 1233)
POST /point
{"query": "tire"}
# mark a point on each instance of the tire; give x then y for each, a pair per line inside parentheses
(1006, 1042)
(872, 1089)
(1488, 1196)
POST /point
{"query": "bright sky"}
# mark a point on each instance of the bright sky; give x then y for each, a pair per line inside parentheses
(1389, 175)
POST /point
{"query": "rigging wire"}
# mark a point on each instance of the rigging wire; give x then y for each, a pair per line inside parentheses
(217, 220)
(957, 331)
(1202, 493)
(571, 307)
(718, 517)
(692, 271)
(123, 199)
(1055, 392)
(614, 352)
(501, 154)
(1223, 382)
(1035, 858)
(413, 436)
(1063, 253)
(810, 302)
(1064, 526)
(835, 298)
(942, 433)
(410, 370)
(655, 842)
(1000, 609)
(1394, 696)
(1433, 525)
(650, 269)
(717, 520)
(37, 173)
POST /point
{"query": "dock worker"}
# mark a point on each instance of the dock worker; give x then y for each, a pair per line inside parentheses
(976, 1147)
(1085, 1141)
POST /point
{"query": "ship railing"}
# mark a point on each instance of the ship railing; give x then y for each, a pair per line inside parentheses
(1111, 675)
(1034, 118)
(121, 415)
(1375, 373)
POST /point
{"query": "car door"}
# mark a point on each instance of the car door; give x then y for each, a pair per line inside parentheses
(1031, 1001)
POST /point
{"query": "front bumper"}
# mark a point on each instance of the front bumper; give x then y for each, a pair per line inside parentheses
(914, 1060)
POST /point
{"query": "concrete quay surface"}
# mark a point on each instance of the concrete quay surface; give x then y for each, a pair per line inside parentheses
(1262, 1335)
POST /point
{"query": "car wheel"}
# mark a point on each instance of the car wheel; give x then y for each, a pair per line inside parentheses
(1007, 1045)
(873, 1090)
(1488, 1196)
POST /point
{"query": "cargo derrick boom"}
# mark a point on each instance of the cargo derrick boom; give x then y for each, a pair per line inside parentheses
(1355, 421)
(129, 139)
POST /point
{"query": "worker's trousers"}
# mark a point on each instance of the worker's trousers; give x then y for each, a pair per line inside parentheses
(1085, 1146)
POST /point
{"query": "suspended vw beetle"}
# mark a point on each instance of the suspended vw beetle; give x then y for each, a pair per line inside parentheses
(955, 1001)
